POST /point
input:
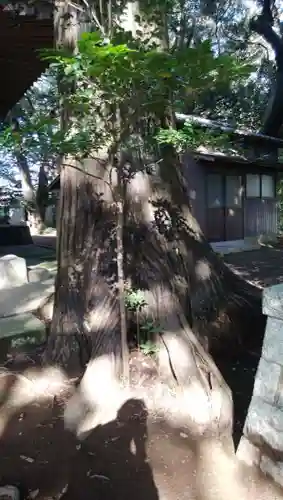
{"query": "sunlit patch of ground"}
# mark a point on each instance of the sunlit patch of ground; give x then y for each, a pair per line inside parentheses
(134, 455)
(32, 386)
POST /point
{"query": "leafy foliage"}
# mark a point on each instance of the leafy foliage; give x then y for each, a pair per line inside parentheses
(29, 132)
(134, 300)
(130, 90)
(191, 137)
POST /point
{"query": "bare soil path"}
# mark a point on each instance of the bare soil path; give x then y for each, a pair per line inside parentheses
(38, 454)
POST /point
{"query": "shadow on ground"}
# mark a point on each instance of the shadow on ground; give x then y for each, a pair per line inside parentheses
(40, 455)
(46, 461)
(263, 267)
(33, 254)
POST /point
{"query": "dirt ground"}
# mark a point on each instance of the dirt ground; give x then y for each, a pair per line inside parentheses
(47, 461)
(263, 267)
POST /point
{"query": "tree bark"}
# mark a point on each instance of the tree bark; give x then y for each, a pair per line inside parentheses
(167, 257)
(41, 199)
(35, 201)
(27, 188)
(86, 304)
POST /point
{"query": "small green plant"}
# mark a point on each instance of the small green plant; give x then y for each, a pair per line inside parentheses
(149, 330)
(149, 348)
(135, 301)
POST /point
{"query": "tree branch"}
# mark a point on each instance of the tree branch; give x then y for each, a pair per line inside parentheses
(263, 25)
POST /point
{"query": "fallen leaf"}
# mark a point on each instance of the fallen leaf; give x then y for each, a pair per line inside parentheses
(183, 435)
(33, 494)
(63, 491)
(27, 459)
(99, 476)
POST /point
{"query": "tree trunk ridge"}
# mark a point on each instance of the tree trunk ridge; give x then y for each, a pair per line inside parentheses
(164, 247)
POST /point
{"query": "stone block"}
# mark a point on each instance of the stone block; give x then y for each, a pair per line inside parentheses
(17, 215)
(25, 298)
(267, 380)
(272, 303)
(13, 271)
(9, 493)
(38, 274)
(248, 453)
(272, 468)
(264, 426)
(22, 324)
(272, 349)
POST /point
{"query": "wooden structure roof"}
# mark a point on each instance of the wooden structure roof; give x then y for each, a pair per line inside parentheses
(21, 37)
(208, 158)
(254, 137)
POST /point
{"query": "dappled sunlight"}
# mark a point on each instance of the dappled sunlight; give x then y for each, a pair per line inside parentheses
(160, 302)
(203, 270)
(139, 188)
(190, 410)
(180, 359)
(139, 193)
(25, 298)
(181, 446)
(196, 406)
(33, 385)
(97, 399)
(97, 170)
(98, 318)
(221, 476)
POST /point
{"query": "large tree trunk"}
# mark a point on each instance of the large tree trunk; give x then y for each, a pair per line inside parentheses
(190, 295)
(186, 287)
(85, 304)
(167, 257)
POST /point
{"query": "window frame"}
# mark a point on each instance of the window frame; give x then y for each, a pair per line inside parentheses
(246, 184)
(273, 177)
(260, 197)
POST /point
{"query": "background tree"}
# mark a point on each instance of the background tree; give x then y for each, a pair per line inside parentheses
(268, 26)
(227, 25)
(26, 144)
